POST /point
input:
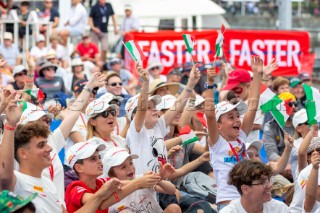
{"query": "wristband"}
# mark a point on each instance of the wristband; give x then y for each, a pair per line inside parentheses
(30, 75)
(116, 196)
(29, 81)
(87, 89)
(8, 127)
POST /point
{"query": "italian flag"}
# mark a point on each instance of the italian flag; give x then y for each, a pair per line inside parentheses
(187, 136)
(135, 51)
(36, 94)
(219, 42)
(188, 41)
(270, 102)
(312, 104)
(24, 105)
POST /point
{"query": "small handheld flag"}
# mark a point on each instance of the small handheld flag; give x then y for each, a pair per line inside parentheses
(219, 42)
(189, 43)
(134, 50)
(36, 94)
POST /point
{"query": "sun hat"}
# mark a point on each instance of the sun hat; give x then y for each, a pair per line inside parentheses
(33, 113)
(46, 65)
(295, 82)
(299, 117)
(236, 77)
(82, 150)
(153, 64)
(167, 102)
(314, 144)
(158, 83)
(51, 54)
(256, 144)
(97, 106)
(132, 103)
(17, 69)
(114, 157)
(76, 62)
(11, 202)
(225, 106)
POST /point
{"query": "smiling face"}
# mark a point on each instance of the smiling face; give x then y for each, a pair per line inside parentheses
(91, 166)
(298, 91)
(229, 125)
(151, 115)
(125, 171)
(114, 85)
(36, 152)
(260, 190)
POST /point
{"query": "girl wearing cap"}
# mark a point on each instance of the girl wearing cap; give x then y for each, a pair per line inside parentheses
(227, 134)
(118, 164)
(85, 159)
(146, 133)
(101, 124)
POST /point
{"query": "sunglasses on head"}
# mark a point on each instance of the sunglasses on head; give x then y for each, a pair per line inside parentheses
(106, 113)
(154, 68)
(115, 84)
(293, 103)
(237, 90)
(47, 120)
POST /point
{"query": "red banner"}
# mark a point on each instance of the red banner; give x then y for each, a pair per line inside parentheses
(288, 47)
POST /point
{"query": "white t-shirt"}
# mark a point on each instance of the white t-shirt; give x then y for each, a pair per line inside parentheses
(121, 123)
(47, 200)
(57, 142)
(300, 189)
(273, 206)
(81, 127)
(149, 145)
(293, 159)
(142, 200)
(222, 160)
(117, 141)
(38, 53)
(78, 17)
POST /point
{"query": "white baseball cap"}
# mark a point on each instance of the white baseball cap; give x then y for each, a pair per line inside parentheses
(40, 37)
(167, 102)
(199, 100)
(97, 106)
(17, 69)
(299, 117)
(33, 113)
(114, 157)
(256, 144)
(82, 150)
(225, 106)
(7, 36)
(132, 103)
(108, 97)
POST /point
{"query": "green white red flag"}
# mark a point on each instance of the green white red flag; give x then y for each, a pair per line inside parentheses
(312, 104)
(188, 41)
(135, 51)
(270, 102)
(36, 94)
(219, 42)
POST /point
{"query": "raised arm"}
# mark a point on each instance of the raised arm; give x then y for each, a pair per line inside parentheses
(210, 109)
(184, 96)
(253, 101)
(302, 153)
(142, 100)
(30, 75)
(13, 112)
(283, 160)
(312, 184)
(73, 111)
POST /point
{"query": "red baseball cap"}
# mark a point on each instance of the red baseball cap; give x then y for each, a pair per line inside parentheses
(236, 77)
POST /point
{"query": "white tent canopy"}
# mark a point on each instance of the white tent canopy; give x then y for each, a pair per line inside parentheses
(168, 8)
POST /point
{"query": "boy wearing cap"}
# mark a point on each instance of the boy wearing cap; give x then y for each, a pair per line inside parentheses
(227, 134)
(85, 159)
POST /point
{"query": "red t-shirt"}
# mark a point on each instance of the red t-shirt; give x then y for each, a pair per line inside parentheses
(90, 50)
(75, 191)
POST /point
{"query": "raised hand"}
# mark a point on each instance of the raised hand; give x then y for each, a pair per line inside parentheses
(95, 80)
(314, 130)
(256, 64)
(288, 141)
(194, 77)
(166, 170)
(315, 159)
(142, 73)
(13, 111)
(30, 61)
(272, 66)
(211, 74)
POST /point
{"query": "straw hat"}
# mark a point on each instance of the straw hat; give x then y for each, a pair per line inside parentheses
(158, 83)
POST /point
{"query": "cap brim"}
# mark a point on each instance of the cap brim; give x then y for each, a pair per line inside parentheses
(230, 86)
(241, 107)
(256, 144)
(156, 99)
(25, 201)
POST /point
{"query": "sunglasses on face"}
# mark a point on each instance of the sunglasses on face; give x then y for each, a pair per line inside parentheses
(237, 90)
(106, 113)
(116, 102)
(21, 74)
(115, 84)
(155, 68)
(47, 121)
(293, 103)
(49, 69)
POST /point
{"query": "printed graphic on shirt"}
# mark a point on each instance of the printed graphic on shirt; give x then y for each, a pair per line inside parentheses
(232, 158)
(158, 152)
